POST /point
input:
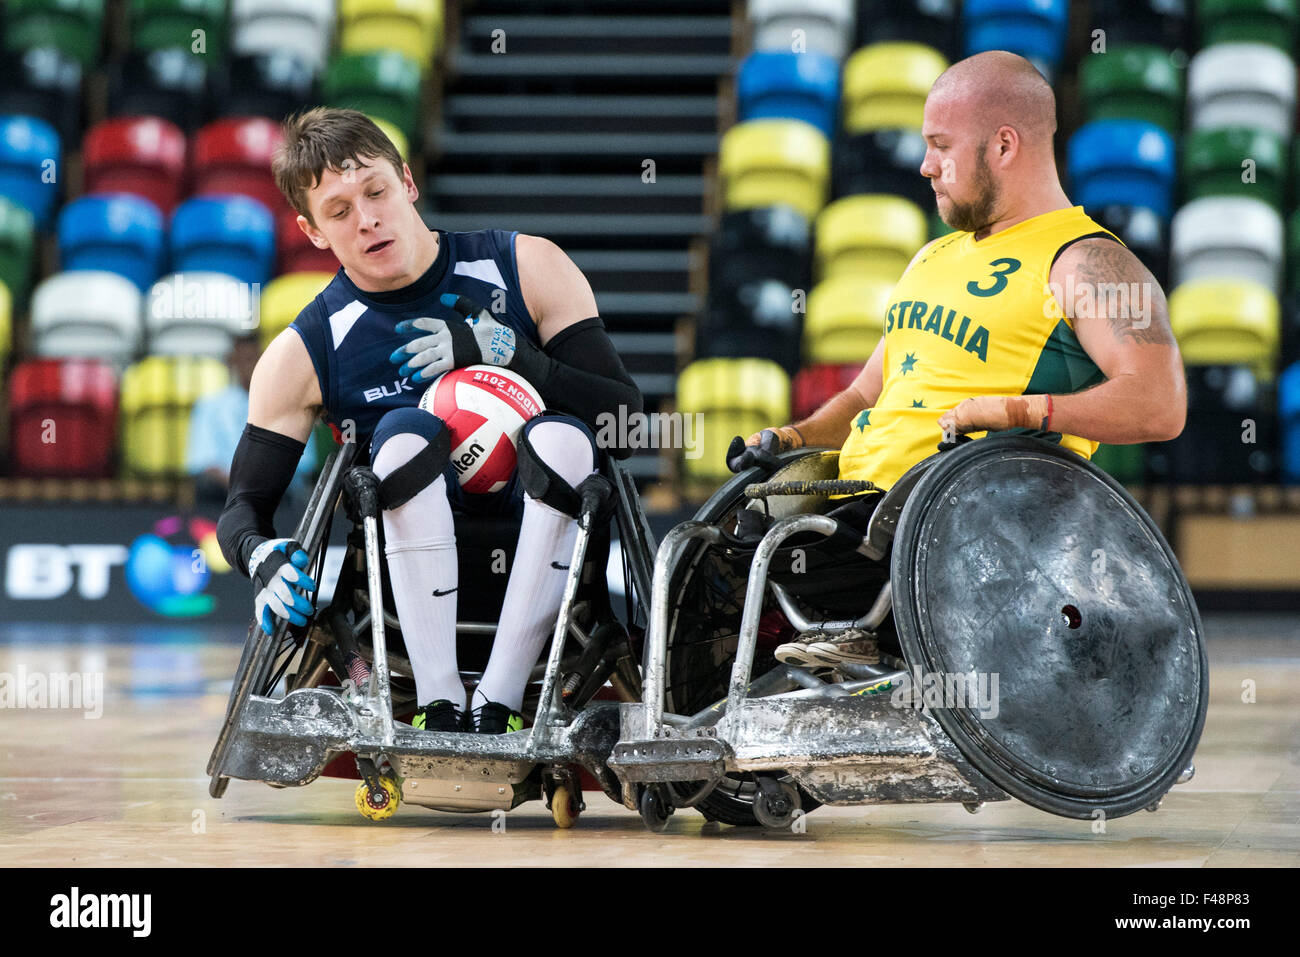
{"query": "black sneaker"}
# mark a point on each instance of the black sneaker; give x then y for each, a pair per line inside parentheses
(440, 715)
(494, 718)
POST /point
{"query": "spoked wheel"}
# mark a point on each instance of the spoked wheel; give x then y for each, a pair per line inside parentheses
(703, 632)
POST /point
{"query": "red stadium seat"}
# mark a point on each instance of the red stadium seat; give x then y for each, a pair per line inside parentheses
(63, 418)
(813, 385)
(233, 155)
(295, 251)
(144, 155)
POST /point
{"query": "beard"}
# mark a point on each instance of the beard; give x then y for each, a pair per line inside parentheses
(978, 213)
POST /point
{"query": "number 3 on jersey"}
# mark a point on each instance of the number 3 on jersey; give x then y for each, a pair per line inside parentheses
(1005, 266)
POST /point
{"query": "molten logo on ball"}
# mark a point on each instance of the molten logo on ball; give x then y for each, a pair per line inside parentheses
(485, 408)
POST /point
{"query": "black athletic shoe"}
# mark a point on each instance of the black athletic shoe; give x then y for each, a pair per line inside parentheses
(440, 715)
(494, 718)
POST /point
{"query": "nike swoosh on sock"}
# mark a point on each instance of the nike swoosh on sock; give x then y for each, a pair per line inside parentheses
(439, 594)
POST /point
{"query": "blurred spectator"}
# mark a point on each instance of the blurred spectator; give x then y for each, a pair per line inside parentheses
(216, 423)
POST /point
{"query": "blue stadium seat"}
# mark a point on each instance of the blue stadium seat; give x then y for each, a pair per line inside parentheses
(1033, 28)
(797, 86)
(1123, 163)
(117, 232)
(228, 234)
(28, 147)
(1288, 408)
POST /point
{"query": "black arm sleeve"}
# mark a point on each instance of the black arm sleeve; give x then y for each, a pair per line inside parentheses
(579, 372)
(262, 469)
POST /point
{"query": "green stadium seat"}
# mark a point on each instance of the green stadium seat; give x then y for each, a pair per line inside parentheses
(385, 85)
(1248, 21)
(1132, 83)
(74, 27)
(159, 24)
(1213, 164)
(17, 249)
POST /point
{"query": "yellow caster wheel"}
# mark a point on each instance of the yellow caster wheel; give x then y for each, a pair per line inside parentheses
(380, 803)
(564, 809)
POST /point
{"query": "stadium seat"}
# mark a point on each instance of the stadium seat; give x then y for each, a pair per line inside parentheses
(767, 162)
(1229, 82)
(814, 385)
(885, 86)
(773, 242)
(62, 418)
(385, 84)
(283, 298)
(1122, 163)
(1288, 396)
(198, 314)
(230, 234)
(6, 326)
(1248, 21)
(144, 156)
(1125, 463)
(302, 27)
(1132, 83)
(1215, 164)
(732, 397)
(846, 318)
(1143, 232)
(932, 22)
(1161, 23)
(272, 84)
(825, 26)
(1228, 237)
(17, 250)
(46, 83)
(171, 84)
(117, 232)
(87, 314)
(1219, 321)
(233, 155)
(160, 24)
(158, 393)
(761, 319)
(410, 27)
(73, 27)
(395, 135)
(1033, 28)
(775, 84)
(1231, 431)
(873, 236)
(296, 253)
(882, 161)
(28, 147)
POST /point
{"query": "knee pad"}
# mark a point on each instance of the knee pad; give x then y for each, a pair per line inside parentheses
(552, 461)
(409, 479)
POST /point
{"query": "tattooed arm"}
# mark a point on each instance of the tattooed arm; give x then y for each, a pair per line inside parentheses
(1122, 321)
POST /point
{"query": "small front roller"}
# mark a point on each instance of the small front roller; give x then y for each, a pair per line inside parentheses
(655, 808)
(776, 804)
(378, 803)
(564, 809)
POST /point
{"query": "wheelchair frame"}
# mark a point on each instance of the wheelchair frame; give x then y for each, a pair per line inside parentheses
(288, 741)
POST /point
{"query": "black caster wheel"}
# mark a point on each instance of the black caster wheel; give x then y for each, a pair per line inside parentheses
(655, 811)
(776, 805)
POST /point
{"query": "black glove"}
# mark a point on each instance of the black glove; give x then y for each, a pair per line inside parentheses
(741, 456)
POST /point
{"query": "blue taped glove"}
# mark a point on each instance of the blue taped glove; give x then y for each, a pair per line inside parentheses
(475, 338)
(276, 568)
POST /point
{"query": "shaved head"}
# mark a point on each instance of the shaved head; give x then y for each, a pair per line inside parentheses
(988, 126)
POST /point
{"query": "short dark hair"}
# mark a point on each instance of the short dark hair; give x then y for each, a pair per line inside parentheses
(326, 137)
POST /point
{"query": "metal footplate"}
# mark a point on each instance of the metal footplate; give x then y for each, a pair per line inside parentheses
(673, 756)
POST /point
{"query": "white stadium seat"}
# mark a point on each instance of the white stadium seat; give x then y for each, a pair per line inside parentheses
(87, 314)
(1228, 237)
(302, 27)
(198, 314)
(827, 25)
(1233, 83)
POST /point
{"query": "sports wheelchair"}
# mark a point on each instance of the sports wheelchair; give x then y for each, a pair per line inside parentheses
(346, 680)
(1008, 558)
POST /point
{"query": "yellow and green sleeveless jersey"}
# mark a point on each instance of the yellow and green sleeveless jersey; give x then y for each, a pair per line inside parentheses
(971, 318)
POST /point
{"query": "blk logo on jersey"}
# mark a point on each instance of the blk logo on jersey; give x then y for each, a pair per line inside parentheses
(380, 392)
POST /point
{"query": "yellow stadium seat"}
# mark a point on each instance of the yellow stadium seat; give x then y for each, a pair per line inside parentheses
(6, 324)
(412, 27)
(1226, 322)
(394, 134)
(772, 162)
(732, 397)
(885, 85)
(871, 235)
(846, 318)
(284, 297)
(157, 395)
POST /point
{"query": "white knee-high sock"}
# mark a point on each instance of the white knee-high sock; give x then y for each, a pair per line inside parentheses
(541, 566)
(420, 545)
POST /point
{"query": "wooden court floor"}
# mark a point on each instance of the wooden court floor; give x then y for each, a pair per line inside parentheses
(127, 788)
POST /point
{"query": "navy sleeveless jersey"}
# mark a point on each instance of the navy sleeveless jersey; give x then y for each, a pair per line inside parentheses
(349, 333)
